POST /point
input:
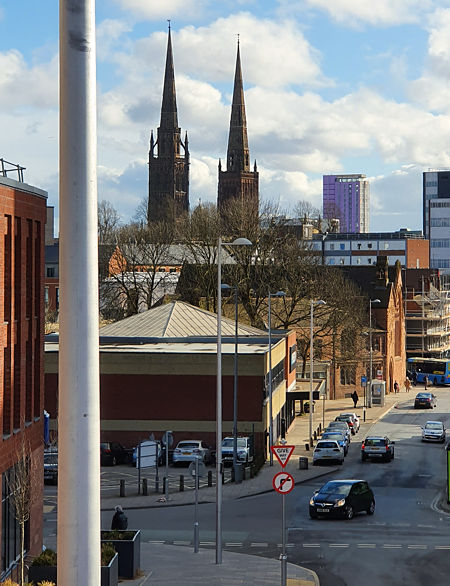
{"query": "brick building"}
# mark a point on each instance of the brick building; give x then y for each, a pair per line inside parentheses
(22, 217)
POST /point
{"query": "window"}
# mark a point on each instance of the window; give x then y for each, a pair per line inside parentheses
(369, 245)
(342, 246)
(386, 245)
(50, 271)
(348, 375)
(331, 246)
(359, 245)
(369, 261)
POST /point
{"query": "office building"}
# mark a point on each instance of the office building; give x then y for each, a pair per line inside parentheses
(346, 198)
(436, 217)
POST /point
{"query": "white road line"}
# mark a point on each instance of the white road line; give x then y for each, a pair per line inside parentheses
(290, 544)
(417, 546)
(367, 545)
(207, 543)
(392, 546)
(231, 544)
(377, 524)
(401, 524)
(339, 544)
(155, 541)
(442, 547)
(311, 545)
(182, 543)
(259, 545)
(426, 526)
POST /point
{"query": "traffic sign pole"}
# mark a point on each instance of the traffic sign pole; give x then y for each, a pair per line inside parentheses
(283, 556)
(196, 527)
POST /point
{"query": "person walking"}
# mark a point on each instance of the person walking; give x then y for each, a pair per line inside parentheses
(355, 398)
(119, 520)
(425, 381)
(396, 387)
(407, 384)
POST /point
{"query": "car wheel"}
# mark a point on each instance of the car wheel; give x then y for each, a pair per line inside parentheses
(371, 509)
(349, 512)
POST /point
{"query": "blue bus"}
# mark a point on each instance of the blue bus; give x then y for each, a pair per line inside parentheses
(436, 369)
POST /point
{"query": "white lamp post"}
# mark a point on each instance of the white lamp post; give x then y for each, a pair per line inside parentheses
(219, 464)
(270, 295)
(369, 398)
(311, 366)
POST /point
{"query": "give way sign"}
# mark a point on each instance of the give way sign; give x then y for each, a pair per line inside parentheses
(282, 453)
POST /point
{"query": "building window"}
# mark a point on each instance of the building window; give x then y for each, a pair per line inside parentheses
(369, 245)
(369, 261)
(57, 297)
(46, 296)
(342, 246)
(50, 272)
(331, 246)
(348, 375)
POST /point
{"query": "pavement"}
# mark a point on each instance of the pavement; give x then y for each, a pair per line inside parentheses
(163, 564)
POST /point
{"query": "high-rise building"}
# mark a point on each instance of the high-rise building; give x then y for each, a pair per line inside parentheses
(168, 161)
(238, 181)
(346, 198)
(436, 217)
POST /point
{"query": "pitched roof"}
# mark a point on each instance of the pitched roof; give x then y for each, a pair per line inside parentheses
(176, 320)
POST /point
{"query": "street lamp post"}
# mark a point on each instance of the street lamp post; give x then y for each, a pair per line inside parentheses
(369, 398)
(219, 463)
(311, 366)
(270, 295)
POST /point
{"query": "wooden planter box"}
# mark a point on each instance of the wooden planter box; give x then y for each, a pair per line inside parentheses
(129, 553)
(109, 574)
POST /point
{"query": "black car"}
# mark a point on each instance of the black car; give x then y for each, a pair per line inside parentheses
(425, 400)
(342, 498)
(112, 453)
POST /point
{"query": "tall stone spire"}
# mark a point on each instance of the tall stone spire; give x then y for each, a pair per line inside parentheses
(168, 186)
(238, 181)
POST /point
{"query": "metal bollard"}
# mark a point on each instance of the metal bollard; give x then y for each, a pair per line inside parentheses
(320, 428)
(210, 482)
(122, 487)
(307, 447)
(181, 483)
(165, 481)
(156, 484)
(144, 487)
(315, 436)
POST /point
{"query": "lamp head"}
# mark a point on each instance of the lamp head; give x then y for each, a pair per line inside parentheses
(375, 301)
(225, 286)
(241, 242)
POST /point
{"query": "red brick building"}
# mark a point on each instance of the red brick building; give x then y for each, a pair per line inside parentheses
(22, 221)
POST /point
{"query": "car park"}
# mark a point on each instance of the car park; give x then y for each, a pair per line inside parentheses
(187, 451)
(355, 418)
(328, 451)
(337, 436)
(342, 498)
(349, 420)
(425, 401)
(112, 453)
(433, 431)
(377, 447)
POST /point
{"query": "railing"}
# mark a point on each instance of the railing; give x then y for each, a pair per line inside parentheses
(7, 167)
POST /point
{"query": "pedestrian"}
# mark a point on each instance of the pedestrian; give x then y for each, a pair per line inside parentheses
(119, 520)
(396, 388)
(407, 384)
(355, 398)
(425, 381)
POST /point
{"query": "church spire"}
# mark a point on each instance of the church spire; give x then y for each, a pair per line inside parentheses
(238, 153)
(169, 118)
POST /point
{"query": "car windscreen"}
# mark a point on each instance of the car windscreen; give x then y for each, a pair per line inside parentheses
(335, 436)
(187, 445)
(326, 445)
(423, 395)
(374, 442)
(336, 488)
(431, 425)
(228, 442)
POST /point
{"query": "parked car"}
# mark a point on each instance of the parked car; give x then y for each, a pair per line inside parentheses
(339, 437)
(349, 420)
(187, 450)
(51, 466)
(342, 498)
(378, 447)
(341, 426)
(355, 418)
(433, 431)
(244, 449)
(112, 453)
(425, 400)
(328, 451)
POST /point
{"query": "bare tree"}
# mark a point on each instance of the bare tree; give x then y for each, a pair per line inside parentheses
(108, 222)
(304, 209)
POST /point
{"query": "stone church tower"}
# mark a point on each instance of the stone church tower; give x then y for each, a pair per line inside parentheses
(238, 181)
(168, 160)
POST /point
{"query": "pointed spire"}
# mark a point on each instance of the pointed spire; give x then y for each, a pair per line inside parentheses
(169, 118)
(238, 153)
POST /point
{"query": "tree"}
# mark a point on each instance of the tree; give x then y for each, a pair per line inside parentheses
(108, 222)
(304, 209)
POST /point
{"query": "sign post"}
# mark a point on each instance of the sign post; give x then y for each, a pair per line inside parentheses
(196, 469)
(283, 483)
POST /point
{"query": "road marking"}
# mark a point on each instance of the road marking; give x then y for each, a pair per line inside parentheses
(392, 546)
(417, 546)
(442, 547)
(426, 526)
(207, 543)
(155, 541)
(377, 524)
(339, 544)
(182, 542)
(367, 545)
(311, 545)
(401, 525)
(233, 544)
(259, 545)
(290, 544)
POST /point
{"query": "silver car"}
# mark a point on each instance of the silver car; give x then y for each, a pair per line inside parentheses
(355, 418)
(188, 450)
(328, 451)
(342, 426)
(433, 431)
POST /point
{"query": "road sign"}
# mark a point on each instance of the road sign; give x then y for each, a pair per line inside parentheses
(363, 380)
(201, 469)
(282, 453)
(283, 482)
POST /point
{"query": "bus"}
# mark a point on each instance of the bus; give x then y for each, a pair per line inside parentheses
(436, 369)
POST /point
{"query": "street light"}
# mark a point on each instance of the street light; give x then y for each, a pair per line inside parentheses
(270, 295)
(219, 464)
(369, 399)
(311, 366)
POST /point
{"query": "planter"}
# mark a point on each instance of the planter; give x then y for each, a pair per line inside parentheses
(129, 551)
(109, 574)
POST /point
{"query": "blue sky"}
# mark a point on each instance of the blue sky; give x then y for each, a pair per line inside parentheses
(348, 86)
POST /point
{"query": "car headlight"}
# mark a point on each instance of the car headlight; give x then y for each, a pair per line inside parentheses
(340, 503)
(311, 501)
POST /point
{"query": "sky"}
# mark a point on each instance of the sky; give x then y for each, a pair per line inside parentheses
(331, 87)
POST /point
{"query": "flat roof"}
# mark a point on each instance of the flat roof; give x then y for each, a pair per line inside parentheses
(14, 184)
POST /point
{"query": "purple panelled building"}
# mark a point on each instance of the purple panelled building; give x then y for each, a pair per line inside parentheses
(346, 198)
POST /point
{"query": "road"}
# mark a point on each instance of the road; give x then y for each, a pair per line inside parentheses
(406, 542)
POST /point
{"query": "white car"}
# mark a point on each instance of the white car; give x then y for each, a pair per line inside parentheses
(188, 450)
(433, 431)
(328, 451)
(355, 419)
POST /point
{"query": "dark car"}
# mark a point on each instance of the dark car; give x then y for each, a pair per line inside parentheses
(378, 447)
(425, 401)
(112, 453)
(51, 466)
(342, 498)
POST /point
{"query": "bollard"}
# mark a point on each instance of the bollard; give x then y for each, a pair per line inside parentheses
(181, 483)
(156, 484)
(233, 474)
(223, 476)
(165, 479)
(307, 447)
(320, 428)
(210, 478)
(144, 487)
(311, 442)
(315, 436)
(122, 487)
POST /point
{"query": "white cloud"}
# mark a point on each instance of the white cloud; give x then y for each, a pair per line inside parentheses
(161, 10)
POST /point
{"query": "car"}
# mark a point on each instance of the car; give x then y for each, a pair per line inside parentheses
(244, 449)
(51, 466)
(112, 453)
(340, 425)
(187, 451)
(355, 418)
(425, 400)
(349, 420)
(339, 437)
(433, 431)
(342, 498)
(328, 451)
(378, 447)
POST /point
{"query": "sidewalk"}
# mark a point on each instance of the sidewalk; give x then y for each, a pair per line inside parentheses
(163, 564)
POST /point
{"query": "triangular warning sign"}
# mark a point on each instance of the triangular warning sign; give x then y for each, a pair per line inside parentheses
(282, 453)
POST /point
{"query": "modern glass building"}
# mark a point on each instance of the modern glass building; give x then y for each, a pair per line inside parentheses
(436, 217)
(346, 198)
